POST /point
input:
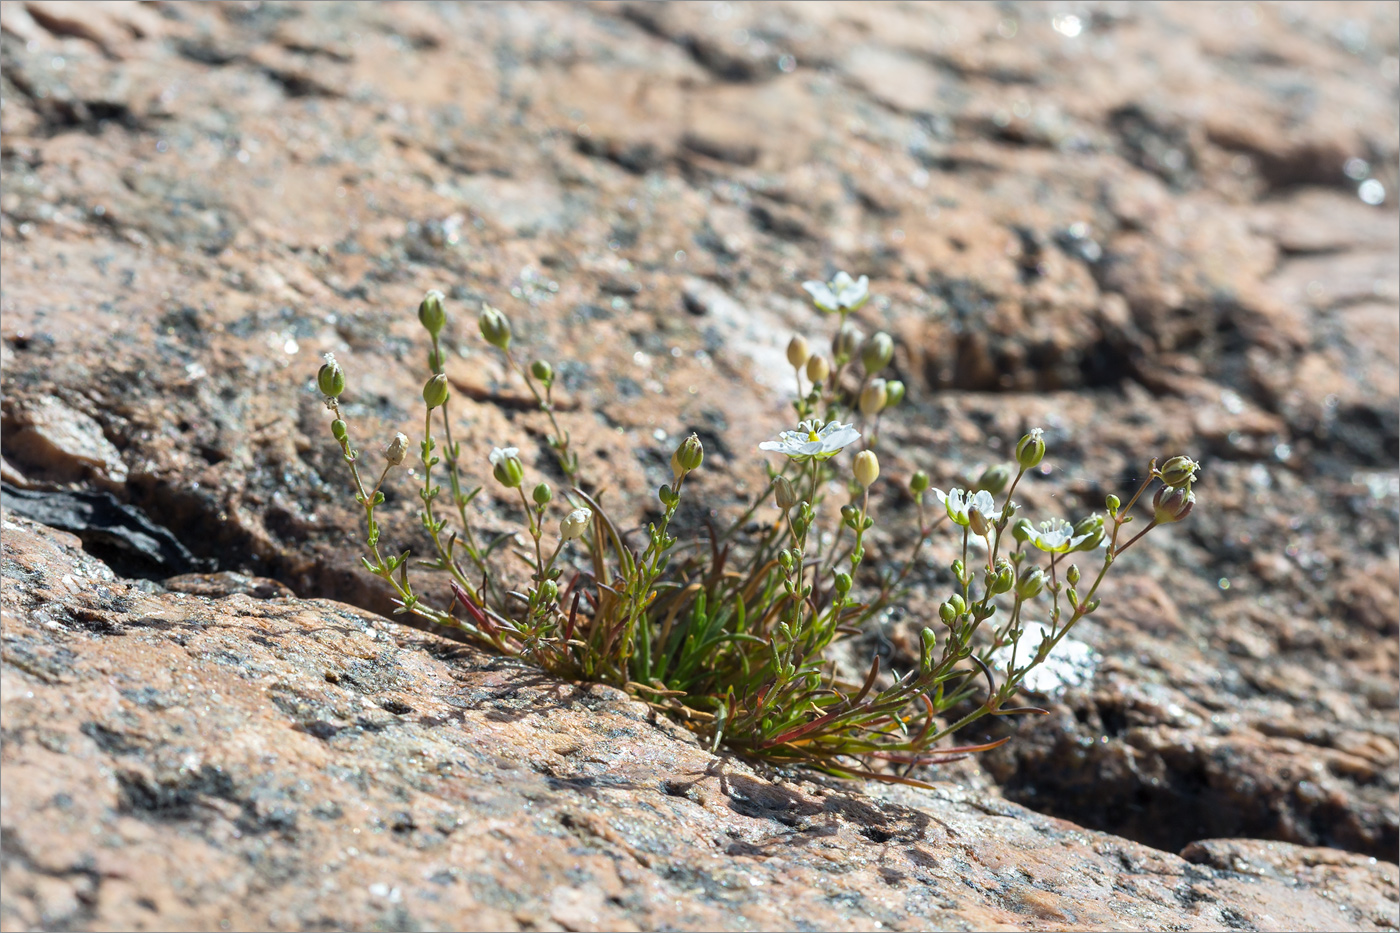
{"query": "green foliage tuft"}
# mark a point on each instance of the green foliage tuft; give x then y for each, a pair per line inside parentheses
(731, 633)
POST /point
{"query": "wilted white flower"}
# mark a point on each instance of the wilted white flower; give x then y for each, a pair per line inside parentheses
(1057, 537)
(842, 294)
(396, 449)
(959, 502)
(506, 466)
(809, 441)
(575, 523)
(866, 468)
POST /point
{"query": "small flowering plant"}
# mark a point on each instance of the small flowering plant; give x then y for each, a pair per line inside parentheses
(731, 635)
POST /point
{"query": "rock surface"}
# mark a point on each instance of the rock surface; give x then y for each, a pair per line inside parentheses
(1148, 229)
(193, 762)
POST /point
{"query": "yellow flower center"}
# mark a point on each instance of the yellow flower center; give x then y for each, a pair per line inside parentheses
(812, 436)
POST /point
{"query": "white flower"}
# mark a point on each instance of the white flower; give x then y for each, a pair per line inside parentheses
(809, 441)
(842, 293)
(959, 502)
(575, 523)
(1057, 536)
(500, 455)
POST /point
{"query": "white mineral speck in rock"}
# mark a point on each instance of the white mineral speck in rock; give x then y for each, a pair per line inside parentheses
(1069, 665)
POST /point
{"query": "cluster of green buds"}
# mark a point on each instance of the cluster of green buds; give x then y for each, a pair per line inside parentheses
(1174, 500)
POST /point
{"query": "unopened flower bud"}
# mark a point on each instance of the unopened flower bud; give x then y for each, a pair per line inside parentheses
(786, 560)
(994, 479)
(1172, 505)
(843, 583)
(876, 353)
(494, 327)
(849, 514)
(1179, 471)
(927, 642)
(958, 603)
(542, 371)
(977, 522)
(396, 449)
(866, 468)
(947, 613)
(846, 343)
(1093, 528)
(1112, 502)
(798, 352)
(1023, 530)
(1030, 450)
(430, 312)
(435, 359)
(549, 591)
(873, 398)
(783, 493)
(435, 391)
(818, 368)
(330, 379)
(894, 393)
(542, 494)
(918, 483)
(1072, 575)
(688, 456)
(1030, 584)
(339, 431)
(575, 523)
(1004, 578)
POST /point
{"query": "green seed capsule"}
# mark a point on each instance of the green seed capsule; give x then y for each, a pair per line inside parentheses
(876, 353)
(435, 392)
(494, 327)
(994, 479)
(688, 455)
(1030, 584)
(1030, 450)
(330, 379)
(430, 312)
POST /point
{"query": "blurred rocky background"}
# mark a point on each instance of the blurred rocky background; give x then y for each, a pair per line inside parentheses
(1148, 228)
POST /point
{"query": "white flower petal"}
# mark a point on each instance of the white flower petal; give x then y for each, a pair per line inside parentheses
(982, 501)
(853, 294)
(822, 296)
